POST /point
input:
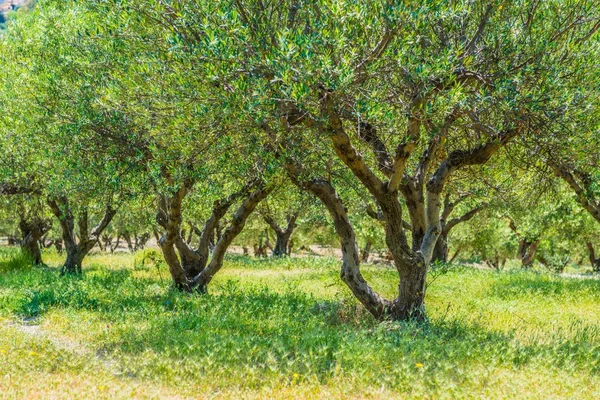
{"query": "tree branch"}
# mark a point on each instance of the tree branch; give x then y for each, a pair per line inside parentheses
(465, 217)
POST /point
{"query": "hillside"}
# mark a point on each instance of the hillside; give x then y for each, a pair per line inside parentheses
(7, 6)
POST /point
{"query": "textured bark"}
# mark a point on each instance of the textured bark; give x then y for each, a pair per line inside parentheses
(190, 268)
(411, 261)
(32, 232)
(235, 227)
(76, 248)
(528, 250)
(440, 251)
(282, 235)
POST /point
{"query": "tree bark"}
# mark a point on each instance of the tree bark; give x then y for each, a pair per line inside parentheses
(282, 235)
(77, 249)
(595, 262)
(411, 261)
(32, 232)
(190, 268)
(230, 233)
(527, 253)
(366, 252)
(440, 251)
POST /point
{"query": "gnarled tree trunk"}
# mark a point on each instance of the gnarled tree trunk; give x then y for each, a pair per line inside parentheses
(190, 268)
(282, 234)
(32, 232)
(77, 249)
(411, 261)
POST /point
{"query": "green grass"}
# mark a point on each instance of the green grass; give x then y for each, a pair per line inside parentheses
(290, 329)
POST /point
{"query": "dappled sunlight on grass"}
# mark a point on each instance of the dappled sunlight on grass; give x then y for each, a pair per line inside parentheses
(290, 327)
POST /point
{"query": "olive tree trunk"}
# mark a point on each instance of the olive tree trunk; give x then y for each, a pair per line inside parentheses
(77, 249)
(282, 235)
(595, 262)
(32, 232)
(191, 269)
(411, 261)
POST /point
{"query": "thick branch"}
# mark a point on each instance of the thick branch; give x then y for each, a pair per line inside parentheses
(403, 152)
(470, 47)
(435, 185)
(590, 205)
(109, 214)
(368, 133)
(463, 218)
(220, 208)
(236, 226)
(273, 224)
(346, 152)
(9, 189)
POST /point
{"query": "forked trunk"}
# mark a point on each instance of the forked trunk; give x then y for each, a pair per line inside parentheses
(190, 268)
(32, 232)
(282, 235)
(77, 249)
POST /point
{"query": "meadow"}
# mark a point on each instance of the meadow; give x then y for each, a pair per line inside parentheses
(289, 328)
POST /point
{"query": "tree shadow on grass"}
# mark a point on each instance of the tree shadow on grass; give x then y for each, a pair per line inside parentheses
(259, 333)
(517, 284)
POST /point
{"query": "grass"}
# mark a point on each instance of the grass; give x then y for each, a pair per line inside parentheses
(290, 329)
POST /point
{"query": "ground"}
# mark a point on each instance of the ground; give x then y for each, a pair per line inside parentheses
(290, 329)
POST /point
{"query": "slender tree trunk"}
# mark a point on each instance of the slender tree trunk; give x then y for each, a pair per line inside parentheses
(456, 254)
(593, 260)
(366, 252)
(101, 245)
(440, 251)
